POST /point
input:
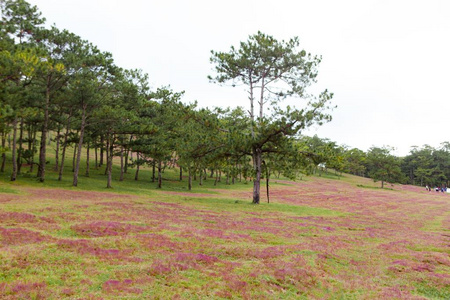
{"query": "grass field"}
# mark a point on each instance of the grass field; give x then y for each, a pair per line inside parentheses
(320, 238)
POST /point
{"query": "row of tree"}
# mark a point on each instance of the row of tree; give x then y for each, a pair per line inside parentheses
(52, 82)
(422, 166)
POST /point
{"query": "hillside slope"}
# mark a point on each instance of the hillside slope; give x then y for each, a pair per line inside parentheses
(319, 238)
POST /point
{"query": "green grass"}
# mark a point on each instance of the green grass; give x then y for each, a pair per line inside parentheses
(6, 188)
(431, 292)
(228, 204)
(97, 180)
(374, 187)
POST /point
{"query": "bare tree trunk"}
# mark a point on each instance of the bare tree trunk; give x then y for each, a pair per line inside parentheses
(80, 147)
(127, 153)
(107, 155)
(87, 160)
(42, 149)
(14, 161)
(240, 174)
(257, 160)
(96, 156)
(2, 169)
(261, 100)
(102, 141)
(201, 177)
(159, 174)
(153, 170)
(20, 151)
(233, 175)
(58, 138)
(63, 154)
(109, 160)
(267, 181)
(189, 179)
(122, 169)
(181, 173)
(33, 148)
(74, 159)
(136, 176)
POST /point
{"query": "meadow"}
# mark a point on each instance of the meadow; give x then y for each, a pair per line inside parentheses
(320, 238)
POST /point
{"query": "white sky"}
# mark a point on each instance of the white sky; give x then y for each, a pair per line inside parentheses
(387, 61)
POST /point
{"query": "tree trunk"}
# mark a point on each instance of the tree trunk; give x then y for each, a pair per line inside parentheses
(96, 156)
(240, 174)
(109, 161)
(136, 176)
(63, 154)
(181, 173)
(267, 182)
(58, 138)
(122, 166)
(153, 170)
(42, 149)
(87, 160)
(189, 179)
(107, 156)
(33, 148)
(159, 174)
(20, 151)
(125, 168)
(14, 161)
(257, 160)
(80, 147)
(74, 158)
(2, 169)
(102, 141)
(201, 177)
(127, 153)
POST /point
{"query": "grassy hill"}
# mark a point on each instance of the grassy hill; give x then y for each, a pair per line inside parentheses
(319, 238)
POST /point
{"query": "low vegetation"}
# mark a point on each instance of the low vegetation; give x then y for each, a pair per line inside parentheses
(320, 238)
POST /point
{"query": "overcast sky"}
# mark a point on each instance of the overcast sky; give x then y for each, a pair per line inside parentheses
(387, 61)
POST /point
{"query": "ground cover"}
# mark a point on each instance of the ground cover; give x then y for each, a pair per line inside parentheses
(321, 238)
